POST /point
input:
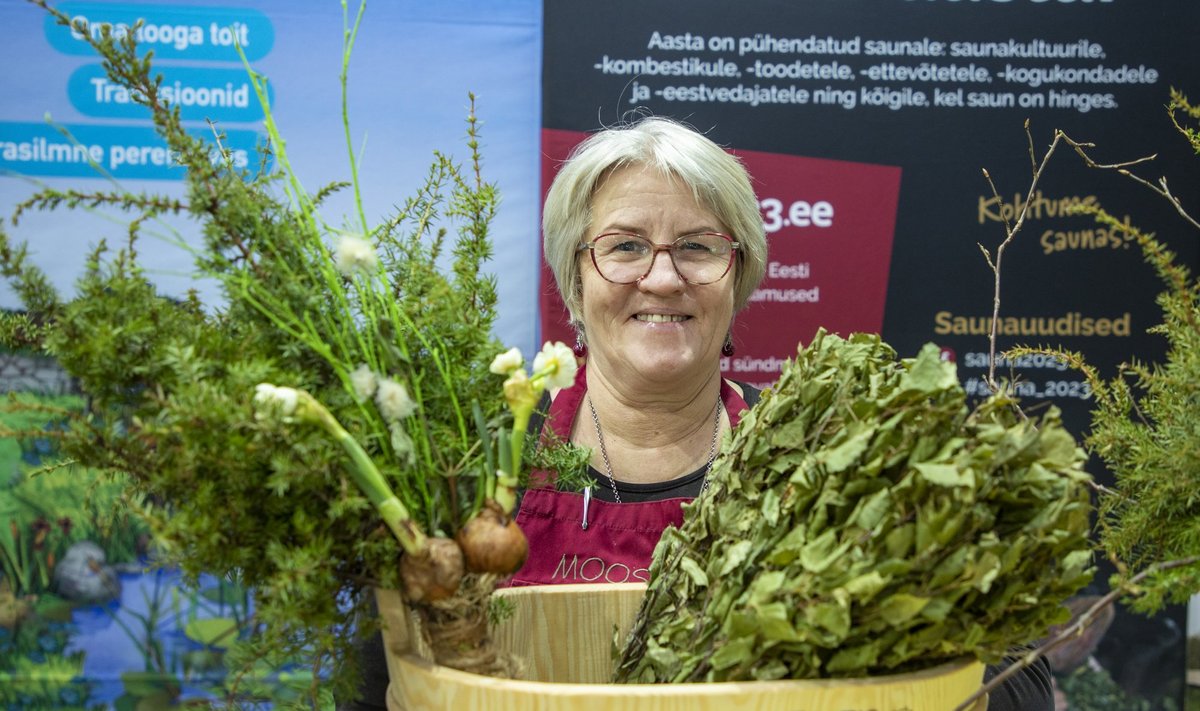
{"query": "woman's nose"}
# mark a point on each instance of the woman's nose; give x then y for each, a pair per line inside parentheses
(662, 275)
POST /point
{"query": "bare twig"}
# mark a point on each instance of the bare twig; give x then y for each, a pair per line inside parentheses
(1104, 490)
(1074, 629)
(1160, 187)
(1010, 231)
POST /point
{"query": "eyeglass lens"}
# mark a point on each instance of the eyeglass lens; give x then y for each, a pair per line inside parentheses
(699, 258)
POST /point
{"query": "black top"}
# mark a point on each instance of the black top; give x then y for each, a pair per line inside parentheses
(687, 486)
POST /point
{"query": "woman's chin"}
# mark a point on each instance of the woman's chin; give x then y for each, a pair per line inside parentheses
(667, 365)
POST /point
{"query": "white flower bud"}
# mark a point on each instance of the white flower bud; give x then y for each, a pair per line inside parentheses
(393, 400)
(364, 382)
(355, 254)
(272, 401)
(402, 444)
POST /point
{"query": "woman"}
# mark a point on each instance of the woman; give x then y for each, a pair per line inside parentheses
(656, 241)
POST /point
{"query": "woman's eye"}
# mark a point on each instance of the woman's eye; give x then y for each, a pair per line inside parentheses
(630, 245)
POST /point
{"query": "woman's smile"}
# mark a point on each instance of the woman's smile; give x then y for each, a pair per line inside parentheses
(661, 318)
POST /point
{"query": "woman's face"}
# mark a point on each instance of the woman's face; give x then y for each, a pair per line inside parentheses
(660, 328)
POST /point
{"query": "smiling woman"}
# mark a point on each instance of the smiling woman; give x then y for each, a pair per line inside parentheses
(656, 241)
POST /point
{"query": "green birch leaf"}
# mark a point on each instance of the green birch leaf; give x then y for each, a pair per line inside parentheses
(820, 552)
(987, 569)
(873, 510)
(937, 609)
(789, 435)
(789, 547)
(899, 540)
(774, 622)
(662, 657)
(735, 556)
(692, 568)
(1078, 560)
(733, 653)
(929, 373)
(850, 659)
(945, 474)
(866, 585)
(901, 607)
(829, 616)
(846, 454)
(766, 586)
(770, 507)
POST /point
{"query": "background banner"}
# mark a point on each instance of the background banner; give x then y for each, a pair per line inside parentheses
(409, 77)
(84, 621)
(866, 125)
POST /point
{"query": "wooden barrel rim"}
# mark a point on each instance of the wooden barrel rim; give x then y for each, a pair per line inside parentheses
(721, 688)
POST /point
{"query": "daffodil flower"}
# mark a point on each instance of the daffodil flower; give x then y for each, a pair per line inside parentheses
(507, 362)
(555, 365)
(520, 393)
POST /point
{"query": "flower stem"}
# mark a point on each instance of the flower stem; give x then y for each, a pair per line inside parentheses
(366, 475)
(506, 485)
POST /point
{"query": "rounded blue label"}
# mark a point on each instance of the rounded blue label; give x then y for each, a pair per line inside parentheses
(201, 93)
(171, 31)
(124, 152)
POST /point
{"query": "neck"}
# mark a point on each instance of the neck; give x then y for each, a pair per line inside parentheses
(650, 436)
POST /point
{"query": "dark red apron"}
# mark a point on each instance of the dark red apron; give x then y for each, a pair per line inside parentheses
(616, 544)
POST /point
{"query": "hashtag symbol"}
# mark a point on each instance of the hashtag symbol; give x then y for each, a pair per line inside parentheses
(971, 386)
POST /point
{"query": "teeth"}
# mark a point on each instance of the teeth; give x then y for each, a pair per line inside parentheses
(660, 318)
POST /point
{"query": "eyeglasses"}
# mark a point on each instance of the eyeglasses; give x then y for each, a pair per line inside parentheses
(623, 258)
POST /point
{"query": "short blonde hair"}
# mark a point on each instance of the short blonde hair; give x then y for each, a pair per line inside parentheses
(717, 179)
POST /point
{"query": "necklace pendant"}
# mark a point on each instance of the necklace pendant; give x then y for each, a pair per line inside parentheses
(587, 500)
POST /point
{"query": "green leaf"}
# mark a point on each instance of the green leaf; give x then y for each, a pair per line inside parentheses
(929, 373)
(901, 607)
(873, 510)
(774, 622)
(735, 556)
(732, 653)
(844, 455)
(830, 616)
(821, 552)
(864, 587)
(850, 659)
(693, 569)
(945, 474)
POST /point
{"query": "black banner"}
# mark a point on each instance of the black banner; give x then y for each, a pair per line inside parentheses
(867, 125)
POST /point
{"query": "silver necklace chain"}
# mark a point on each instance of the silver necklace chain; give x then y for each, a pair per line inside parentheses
(712, 449)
